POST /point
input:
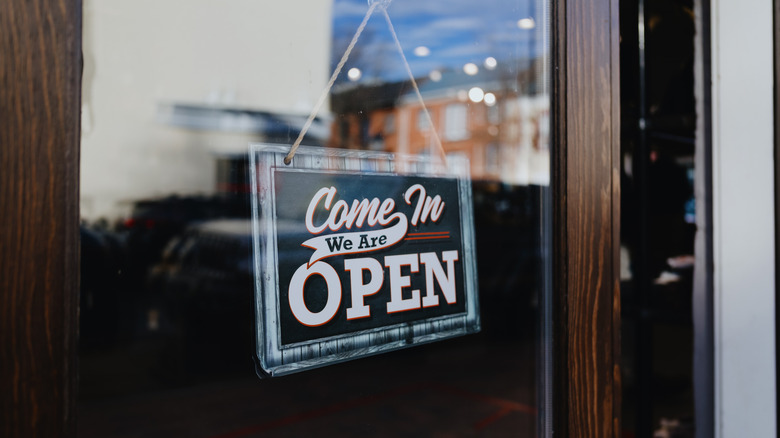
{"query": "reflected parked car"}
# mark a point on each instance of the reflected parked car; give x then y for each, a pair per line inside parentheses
(154, 222)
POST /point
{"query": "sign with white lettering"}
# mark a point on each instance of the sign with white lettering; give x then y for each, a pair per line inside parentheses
(357, 253)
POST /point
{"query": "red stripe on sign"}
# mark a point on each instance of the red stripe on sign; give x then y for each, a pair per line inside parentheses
(426, 238)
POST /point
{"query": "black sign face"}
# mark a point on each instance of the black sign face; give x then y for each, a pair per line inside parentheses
(378, 250)
(352, 260)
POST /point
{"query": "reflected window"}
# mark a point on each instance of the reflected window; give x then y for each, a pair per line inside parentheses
(422, 121)
(491, 158)
(390, 124)
(493, 114)
(456, 122)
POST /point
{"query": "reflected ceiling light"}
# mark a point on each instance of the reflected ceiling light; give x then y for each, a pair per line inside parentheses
(526, 23)
(490, 99)
(422, 51)
(471, 69)
(476, 94)
(490, 63)
(435, 75)
(354, 74)
(463, 95)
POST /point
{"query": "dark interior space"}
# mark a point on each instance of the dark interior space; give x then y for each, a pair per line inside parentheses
(168, 328)
(658, 216)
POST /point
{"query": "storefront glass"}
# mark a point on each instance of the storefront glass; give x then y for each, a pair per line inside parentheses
(175, 92)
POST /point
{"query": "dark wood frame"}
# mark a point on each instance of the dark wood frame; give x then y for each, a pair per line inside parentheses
(40, 97)
(586, 218)
(40, 120)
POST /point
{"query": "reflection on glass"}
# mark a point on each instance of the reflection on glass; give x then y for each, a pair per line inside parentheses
(658, 134)
(173, 94)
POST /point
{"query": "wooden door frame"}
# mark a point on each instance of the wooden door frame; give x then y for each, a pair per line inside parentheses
(586, 218)
(40, 100)
(40, 120)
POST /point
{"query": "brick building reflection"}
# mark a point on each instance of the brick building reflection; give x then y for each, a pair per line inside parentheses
(496, 118)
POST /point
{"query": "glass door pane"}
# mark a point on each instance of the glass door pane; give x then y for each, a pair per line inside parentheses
(175, 92)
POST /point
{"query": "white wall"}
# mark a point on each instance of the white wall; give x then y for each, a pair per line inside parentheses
(743, 216)
(264, 55)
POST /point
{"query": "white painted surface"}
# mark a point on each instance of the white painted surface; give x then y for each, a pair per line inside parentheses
(247, 54)
(743, 218)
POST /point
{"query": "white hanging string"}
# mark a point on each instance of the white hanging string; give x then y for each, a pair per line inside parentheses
(414, 85)
(382, 4)
(324, 95)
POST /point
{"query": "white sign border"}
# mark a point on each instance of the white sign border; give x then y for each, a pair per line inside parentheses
(275, 360)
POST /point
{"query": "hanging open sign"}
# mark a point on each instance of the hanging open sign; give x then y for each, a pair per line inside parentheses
(358, 253)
